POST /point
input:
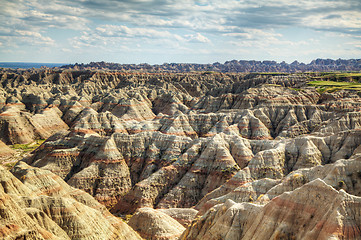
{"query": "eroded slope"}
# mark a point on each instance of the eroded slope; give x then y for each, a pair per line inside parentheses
(193, 140)
(36, 204)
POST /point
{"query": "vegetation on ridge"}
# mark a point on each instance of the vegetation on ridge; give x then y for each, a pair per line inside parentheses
(339, 76)
(29, 146)
(332, 86)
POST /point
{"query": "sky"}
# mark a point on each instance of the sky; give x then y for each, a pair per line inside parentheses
(183, 31)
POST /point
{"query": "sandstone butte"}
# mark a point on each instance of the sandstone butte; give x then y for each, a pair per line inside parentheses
(179, 156)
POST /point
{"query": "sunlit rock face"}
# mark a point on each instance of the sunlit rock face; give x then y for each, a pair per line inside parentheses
(299, 214)
(155, 225)
(223, 149)
(37, 204)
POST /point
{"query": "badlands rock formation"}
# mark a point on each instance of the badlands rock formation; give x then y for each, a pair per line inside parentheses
(36, 204)
(5, 150)
(300, 214)
(155, 225)
(180, 145)
(318, 65)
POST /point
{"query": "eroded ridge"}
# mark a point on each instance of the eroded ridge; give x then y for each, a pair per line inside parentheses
(194, 143)
(37, 204)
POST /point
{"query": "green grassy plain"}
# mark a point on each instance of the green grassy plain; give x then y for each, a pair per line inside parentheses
(332, 86)
(329, 76)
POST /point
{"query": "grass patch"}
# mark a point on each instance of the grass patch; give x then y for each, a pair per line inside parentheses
(9, 166)
(274, 73)
(332, 86)
(296, 89)
(29, 147)
(350, 76)
(126, 218)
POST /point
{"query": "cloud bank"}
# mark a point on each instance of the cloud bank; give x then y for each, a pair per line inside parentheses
(181, 31)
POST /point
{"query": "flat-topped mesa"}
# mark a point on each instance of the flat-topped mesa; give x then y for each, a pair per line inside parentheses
(36, 204)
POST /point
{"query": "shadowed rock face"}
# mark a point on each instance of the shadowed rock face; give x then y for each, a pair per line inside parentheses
(37, 204)
(322, 65)
(343, 174)
(180, 141)
(300, 214)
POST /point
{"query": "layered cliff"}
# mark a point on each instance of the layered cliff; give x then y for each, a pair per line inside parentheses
(36, 204)
(170, 146)
(300, 214)
(318, 65)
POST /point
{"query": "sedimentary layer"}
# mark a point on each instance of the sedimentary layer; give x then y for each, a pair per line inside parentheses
(299, 214)
(155, 144)
(36, 204)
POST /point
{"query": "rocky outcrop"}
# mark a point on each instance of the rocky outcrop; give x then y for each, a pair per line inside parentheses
(22, 127)
(106, 167)
(155, 225)
(248, 185)
(36, 204)
(5, 150)
(183, 215)
(188, 104)
(343, 174)
(171, 171)
(300, 214)
(181, 144)
(322, 65)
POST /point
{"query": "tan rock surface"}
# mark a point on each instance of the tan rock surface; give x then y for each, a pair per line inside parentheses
(343, 174)
(180, 141)
(300, 214)
(155, 225)
(5, 151)
(43, 206)
(22, 127)
(183, 215)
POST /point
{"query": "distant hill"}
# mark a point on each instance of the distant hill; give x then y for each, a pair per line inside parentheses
(26, 65)
(318, 65)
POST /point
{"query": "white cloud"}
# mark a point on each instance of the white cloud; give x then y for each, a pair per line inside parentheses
(165, 24)
(19, 37)
(338, 21)
(67, 50)
(126, 32)
(256, 35)
(217, 16)
(197, 38)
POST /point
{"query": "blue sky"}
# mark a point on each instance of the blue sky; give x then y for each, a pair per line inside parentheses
(193, 31)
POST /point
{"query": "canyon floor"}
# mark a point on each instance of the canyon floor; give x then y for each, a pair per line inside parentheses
(93, 154)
